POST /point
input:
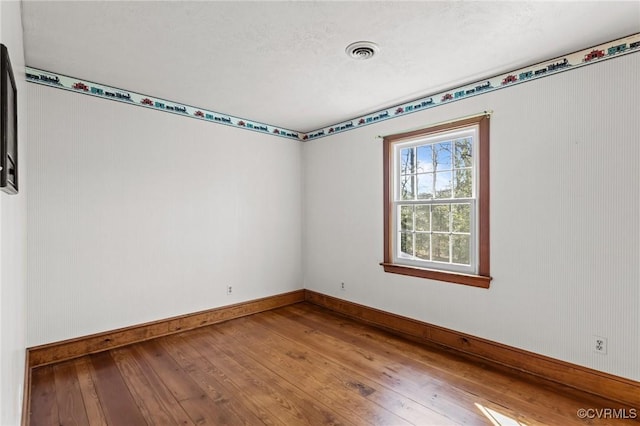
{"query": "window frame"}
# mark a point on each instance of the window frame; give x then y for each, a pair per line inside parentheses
(481, 150)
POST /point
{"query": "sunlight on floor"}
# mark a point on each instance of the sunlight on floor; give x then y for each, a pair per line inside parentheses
(498, 419)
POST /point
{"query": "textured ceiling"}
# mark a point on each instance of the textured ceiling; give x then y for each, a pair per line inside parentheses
(283, 63)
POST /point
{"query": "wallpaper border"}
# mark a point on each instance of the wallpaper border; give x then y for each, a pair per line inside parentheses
(575, 60)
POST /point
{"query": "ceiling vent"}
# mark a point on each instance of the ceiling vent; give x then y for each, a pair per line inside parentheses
(362, 50)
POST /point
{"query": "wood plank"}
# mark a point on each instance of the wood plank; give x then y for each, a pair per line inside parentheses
(92, 404)
(341, 399)
(445, 399)
(205, 411)
(71, 409)
(44, 405)
(181, 386)
(156, 403)
(338, 386)
(192, 398)
(615, 388)
(492, 384)
(465, 391)
(216, 384)
(99, 342)
(279, 397)
(301, 364)
(118, 404)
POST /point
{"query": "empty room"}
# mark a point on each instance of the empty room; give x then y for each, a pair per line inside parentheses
(319, 213)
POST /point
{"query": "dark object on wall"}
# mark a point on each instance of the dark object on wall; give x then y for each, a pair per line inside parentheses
(8, 126)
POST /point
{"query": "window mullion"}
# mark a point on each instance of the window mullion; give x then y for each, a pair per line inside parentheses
(413, 229)
(450, 233)
(434, 201)
(430, 233)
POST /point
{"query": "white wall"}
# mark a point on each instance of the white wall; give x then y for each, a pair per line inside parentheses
(565, 191)
(136, 215)
(13, 239)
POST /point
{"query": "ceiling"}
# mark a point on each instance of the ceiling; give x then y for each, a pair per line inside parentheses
(284, 63)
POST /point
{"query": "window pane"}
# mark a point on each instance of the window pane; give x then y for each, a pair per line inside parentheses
(406, 245)
(425, 186)
(461, 217)
(406, 218)
(422, 218)
(442, 156)
(462, 184)
(463, 155)
(440, 217)
(440, 249)
(407, 187)
(460, 249)
(425, 158)
(422, 246)
(407, 161)
(443, 184)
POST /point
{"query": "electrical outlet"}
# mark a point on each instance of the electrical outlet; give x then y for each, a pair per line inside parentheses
(600, 344)
(342, 287)
(229, 289)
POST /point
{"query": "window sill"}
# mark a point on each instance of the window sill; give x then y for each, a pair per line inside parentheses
(450, 277)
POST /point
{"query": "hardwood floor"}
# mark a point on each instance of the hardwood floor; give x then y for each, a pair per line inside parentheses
(299, 365)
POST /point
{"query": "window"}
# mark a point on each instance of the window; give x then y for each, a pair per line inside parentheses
(436, 198)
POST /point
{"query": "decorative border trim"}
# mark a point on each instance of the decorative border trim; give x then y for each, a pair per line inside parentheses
(595, 54)
(605, 385)
(574, 60)
(73, 348)
(86, 87)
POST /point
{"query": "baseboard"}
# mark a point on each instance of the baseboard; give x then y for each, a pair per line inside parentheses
(26, 394)
(74, 348)
(606, 385)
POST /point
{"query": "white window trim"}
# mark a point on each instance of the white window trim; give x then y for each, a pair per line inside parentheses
(471, 131)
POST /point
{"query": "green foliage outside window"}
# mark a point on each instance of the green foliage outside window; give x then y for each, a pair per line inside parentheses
(438, 171)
